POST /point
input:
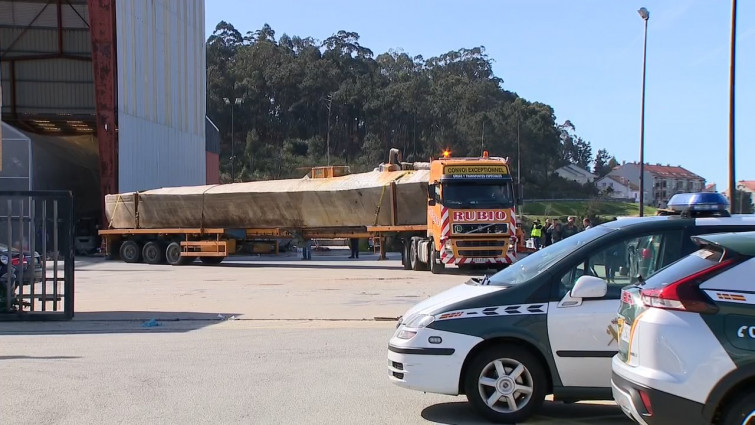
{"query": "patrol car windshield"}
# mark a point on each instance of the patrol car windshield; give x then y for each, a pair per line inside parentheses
(478, 194)
(538, 262)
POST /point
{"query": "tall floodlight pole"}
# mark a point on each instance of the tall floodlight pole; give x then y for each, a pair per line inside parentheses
(732, 183)
(645, 15)
(237, 101)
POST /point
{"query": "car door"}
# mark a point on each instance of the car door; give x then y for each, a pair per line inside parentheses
(582, 332)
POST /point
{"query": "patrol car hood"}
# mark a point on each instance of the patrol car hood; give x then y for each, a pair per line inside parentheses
(434, 304)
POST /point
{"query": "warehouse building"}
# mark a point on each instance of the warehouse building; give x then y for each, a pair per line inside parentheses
(107, 95)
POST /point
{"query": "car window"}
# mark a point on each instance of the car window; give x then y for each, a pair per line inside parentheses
(621, 262)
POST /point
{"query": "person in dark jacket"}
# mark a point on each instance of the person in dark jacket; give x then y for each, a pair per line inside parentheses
(354, 244)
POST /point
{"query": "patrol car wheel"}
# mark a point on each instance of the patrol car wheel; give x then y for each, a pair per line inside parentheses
(741, 411)
(505, 384)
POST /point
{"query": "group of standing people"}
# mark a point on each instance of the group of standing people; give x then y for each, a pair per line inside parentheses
(553, 231)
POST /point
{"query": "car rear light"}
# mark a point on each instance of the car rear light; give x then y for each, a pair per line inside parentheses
(645, 254)
(684, 294)
(646, 402)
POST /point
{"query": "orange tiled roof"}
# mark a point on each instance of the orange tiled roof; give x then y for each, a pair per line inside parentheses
(747, 184)
(672, 172)
(623, 181)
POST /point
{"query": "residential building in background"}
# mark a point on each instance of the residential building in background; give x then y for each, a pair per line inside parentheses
(576, 173)
(618, 187)
(661, 181)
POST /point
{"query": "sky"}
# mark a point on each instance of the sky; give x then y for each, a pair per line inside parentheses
(583, 58)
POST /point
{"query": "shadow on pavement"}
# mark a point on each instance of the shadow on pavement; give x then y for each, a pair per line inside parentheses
(38, 357)
(111, 322)
(458, 413)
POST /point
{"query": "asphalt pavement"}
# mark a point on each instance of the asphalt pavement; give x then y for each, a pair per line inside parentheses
(268, 340)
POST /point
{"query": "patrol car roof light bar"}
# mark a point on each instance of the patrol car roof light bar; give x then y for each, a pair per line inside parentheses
(697, 204)
(685, 294)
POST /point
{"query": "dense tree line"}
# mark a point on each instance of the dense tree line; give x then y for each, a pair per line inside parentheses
(307, 103)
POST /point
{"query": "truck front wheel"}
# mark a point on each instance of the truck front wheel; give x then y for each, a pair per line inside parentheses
(413, 257)
(406, 255)
(436, 266)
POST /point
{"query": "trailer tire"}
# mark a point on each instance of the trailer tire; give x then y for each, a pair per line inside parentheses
(173, 255)
(153, 253)
(131, 252)
(436, 266)
(405, 255)
(211, 260)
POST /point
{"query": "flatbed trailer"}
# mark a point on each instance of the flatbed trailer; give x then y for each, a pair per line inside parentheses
(211, 245)
(450, 211)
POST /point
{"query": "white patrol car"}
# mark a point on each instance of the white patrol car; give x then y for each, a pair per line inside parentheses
(546, 324)
(687, 338)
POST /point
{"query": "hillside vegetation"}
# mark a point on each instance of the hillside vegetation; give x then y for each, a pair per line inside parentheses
(600, 208)
(285, 102)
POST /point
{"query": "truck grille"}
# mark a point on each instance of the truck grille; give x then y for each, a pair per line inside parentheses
(472, 244)
(481, 228)
(480, 252)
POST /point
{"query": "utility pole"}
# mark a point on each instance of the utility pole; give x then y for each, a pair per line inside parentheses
(237, 101)
(732, 182)
(482, 141)
(330, 104)
(645, 15)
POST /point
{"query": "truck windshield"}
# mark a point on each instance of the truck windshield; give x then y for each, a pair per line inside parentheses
(540, 261)
(478, 194)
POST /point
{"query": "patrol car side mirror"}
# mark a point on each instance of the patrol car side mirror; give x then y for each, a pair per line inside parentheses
(589, 287)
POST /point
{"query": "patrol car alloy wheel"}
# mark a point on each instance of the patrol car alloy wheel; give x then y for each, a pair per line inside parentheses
(505, 384)
(741, 410)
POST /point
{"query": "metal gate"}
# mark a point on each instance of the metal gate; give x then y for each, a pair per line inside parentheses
(36, 255)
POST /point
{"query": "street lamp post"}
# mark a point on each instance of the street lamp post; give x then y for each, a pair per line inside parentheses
(237, 101)
(645, 15)
(732, 183)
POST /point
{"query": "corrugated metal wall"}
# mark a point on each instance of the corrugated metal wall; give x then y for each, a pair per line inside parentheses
(161, 93)
(50, 85)
(15, 173)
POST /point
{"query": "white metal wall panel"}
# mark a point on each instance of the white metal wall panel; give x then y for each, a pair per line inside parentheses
(161, 93)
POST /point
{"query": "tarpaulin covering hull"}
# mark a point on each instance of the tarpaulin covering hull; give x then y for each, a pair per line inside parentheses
(353, 200)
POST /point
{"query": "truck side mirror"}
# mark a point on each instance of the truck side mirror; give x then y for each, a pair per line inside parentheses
(431, 194)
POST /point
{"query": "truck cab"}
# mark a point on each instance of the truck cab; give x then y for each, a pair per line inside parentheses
(470, 216)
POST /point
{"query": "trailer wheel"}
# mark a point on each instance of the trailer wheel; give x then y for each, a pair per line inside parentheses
(211, 260)
(406, 255)
(436, 266)
(152, 253)
(173, 255)
(131, 252)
